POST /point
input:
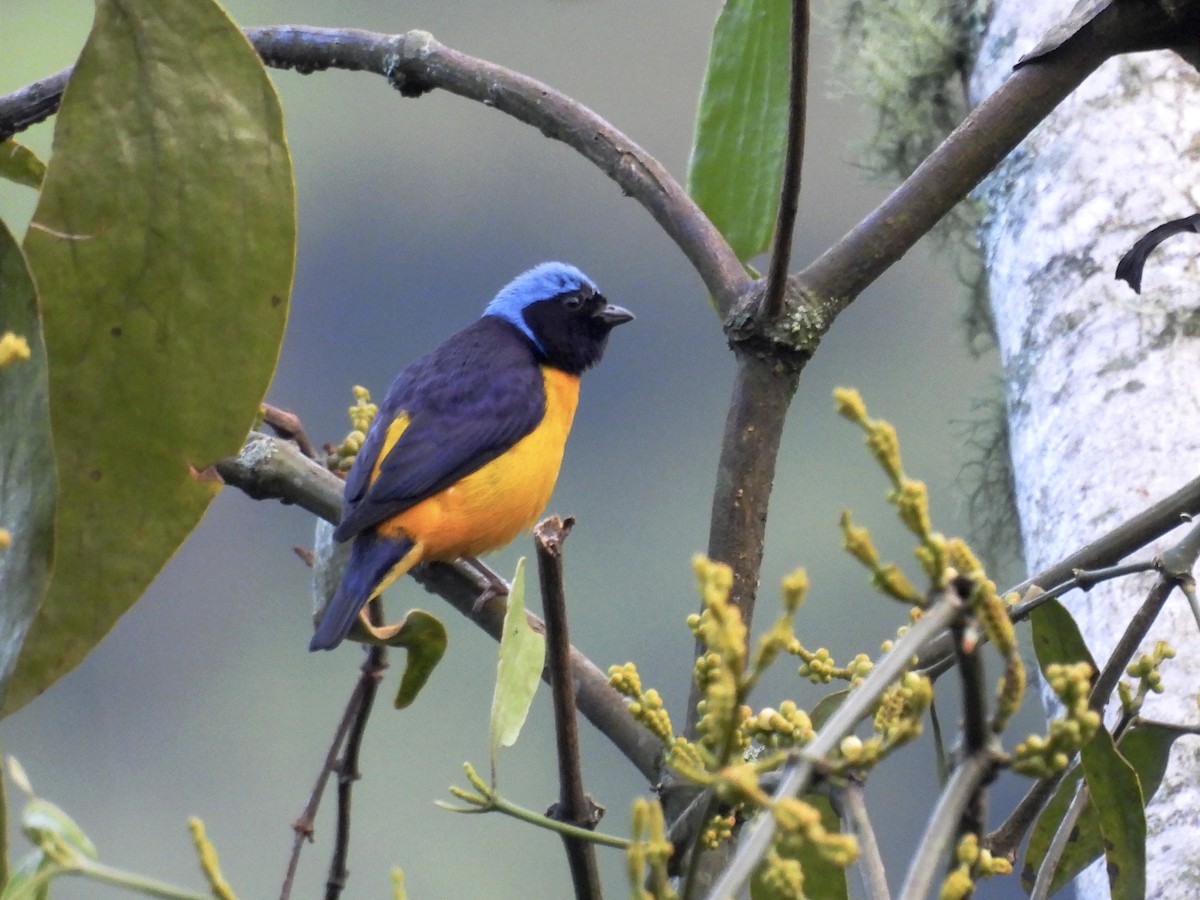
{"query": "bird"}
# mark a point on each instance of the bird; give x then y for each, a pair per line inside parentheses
(465, 449)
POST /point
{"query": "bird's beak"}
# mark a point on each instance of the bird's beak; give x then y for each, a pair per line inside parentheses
(613, 315)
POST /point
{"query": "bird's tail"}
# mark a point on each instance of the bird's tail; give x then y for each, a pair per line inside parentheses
(375, 562)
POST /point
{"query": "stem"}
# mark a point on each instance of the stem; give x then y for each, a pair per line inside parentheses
(573, 806)
(943, 825)
(793, 163)
(372, 670)
(870, 861)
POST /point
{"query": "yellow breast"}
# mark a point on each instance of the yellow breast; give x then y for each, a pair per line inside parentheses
(491, 506)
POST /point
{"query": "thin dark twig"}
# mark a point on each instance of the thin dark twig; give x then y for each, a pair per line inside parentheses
(975, 730)
(1131, 639)
(372, 670)
(1175, 564)
(1110, 548)
(574, 806)
(793, 164)
(303, 826)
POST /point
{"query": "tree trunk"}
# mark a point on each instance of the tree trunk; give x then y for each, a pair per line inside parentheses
(1103, 385)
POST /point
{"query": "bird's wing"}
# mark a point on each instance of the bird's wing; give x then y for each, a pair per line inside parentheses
(447, 414)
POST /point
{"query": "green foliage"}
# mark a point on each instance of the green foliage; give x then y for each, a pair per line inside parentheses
(735, 172)
(424, 636)
(1145, 748)
(62, 848)
(518, 670)
(1120, 809)
(27, 481)
(19, 164)
(162, 245)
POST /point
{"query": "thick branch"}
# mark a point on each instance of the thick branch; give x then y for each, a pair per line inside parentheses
(268, 468)
(415, 63)
(762, 393)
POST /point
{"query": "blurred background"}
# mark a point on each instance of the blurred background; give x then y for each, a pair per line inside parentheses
(204, 699)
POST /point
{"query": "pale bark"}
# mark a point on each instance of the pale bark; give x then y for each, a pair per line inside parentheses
(1102, 385)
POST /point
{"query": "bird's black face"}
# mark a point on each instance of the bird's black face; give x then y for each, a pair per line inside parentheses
(572, 328)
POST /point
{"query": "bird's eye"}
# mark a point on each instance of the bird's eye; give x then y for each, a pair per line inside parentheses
(572, 301)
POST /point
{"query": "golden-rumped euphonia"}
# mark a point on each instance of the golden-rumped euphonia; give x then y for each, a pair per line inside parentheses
(465, 449)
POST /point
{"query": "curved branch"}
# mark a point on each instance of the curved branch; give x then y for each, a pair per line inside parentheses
(415, 63)
(986, 136)
(271, 469)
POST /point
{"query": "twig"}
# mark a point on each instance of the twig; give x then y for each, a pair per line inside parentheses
(976, 732)
(793, 164)
(1008, 836)
(268, 468)
(303, 826)
(943, 825)
(870, 861)
(574, 806)
(288, 425)
(415, 63)
(1175, 564)
(372, 670)
(1130, 536)
(1058, 844)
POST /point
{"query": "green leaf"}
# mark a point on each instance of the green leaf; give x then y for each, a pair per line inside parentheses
(1146, 748)
(1056, 637)
(26, 460)
(20, 164)
(518, 671)
(736, 167)
(822, 878)
(424, 636)
(1120, 808)
(163, 246)
(826, 707)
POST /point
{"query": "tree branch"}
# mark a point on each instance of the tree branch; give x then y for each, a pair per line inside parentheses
(415, 63)
(270, 469)
(574, 806)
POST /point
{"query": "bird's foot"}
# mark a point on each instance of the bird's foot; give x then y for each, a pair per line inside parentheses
(493, 585)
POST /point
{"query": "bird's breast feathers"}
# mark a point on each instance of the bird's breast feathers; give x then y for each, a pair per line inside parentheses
(490, 506)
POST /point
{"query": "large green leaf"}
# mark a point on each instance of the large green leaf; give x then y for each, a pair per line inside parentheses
(26, 459)
(163, 247)
(1120, 808)
(736, 167)
(1056, 637)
